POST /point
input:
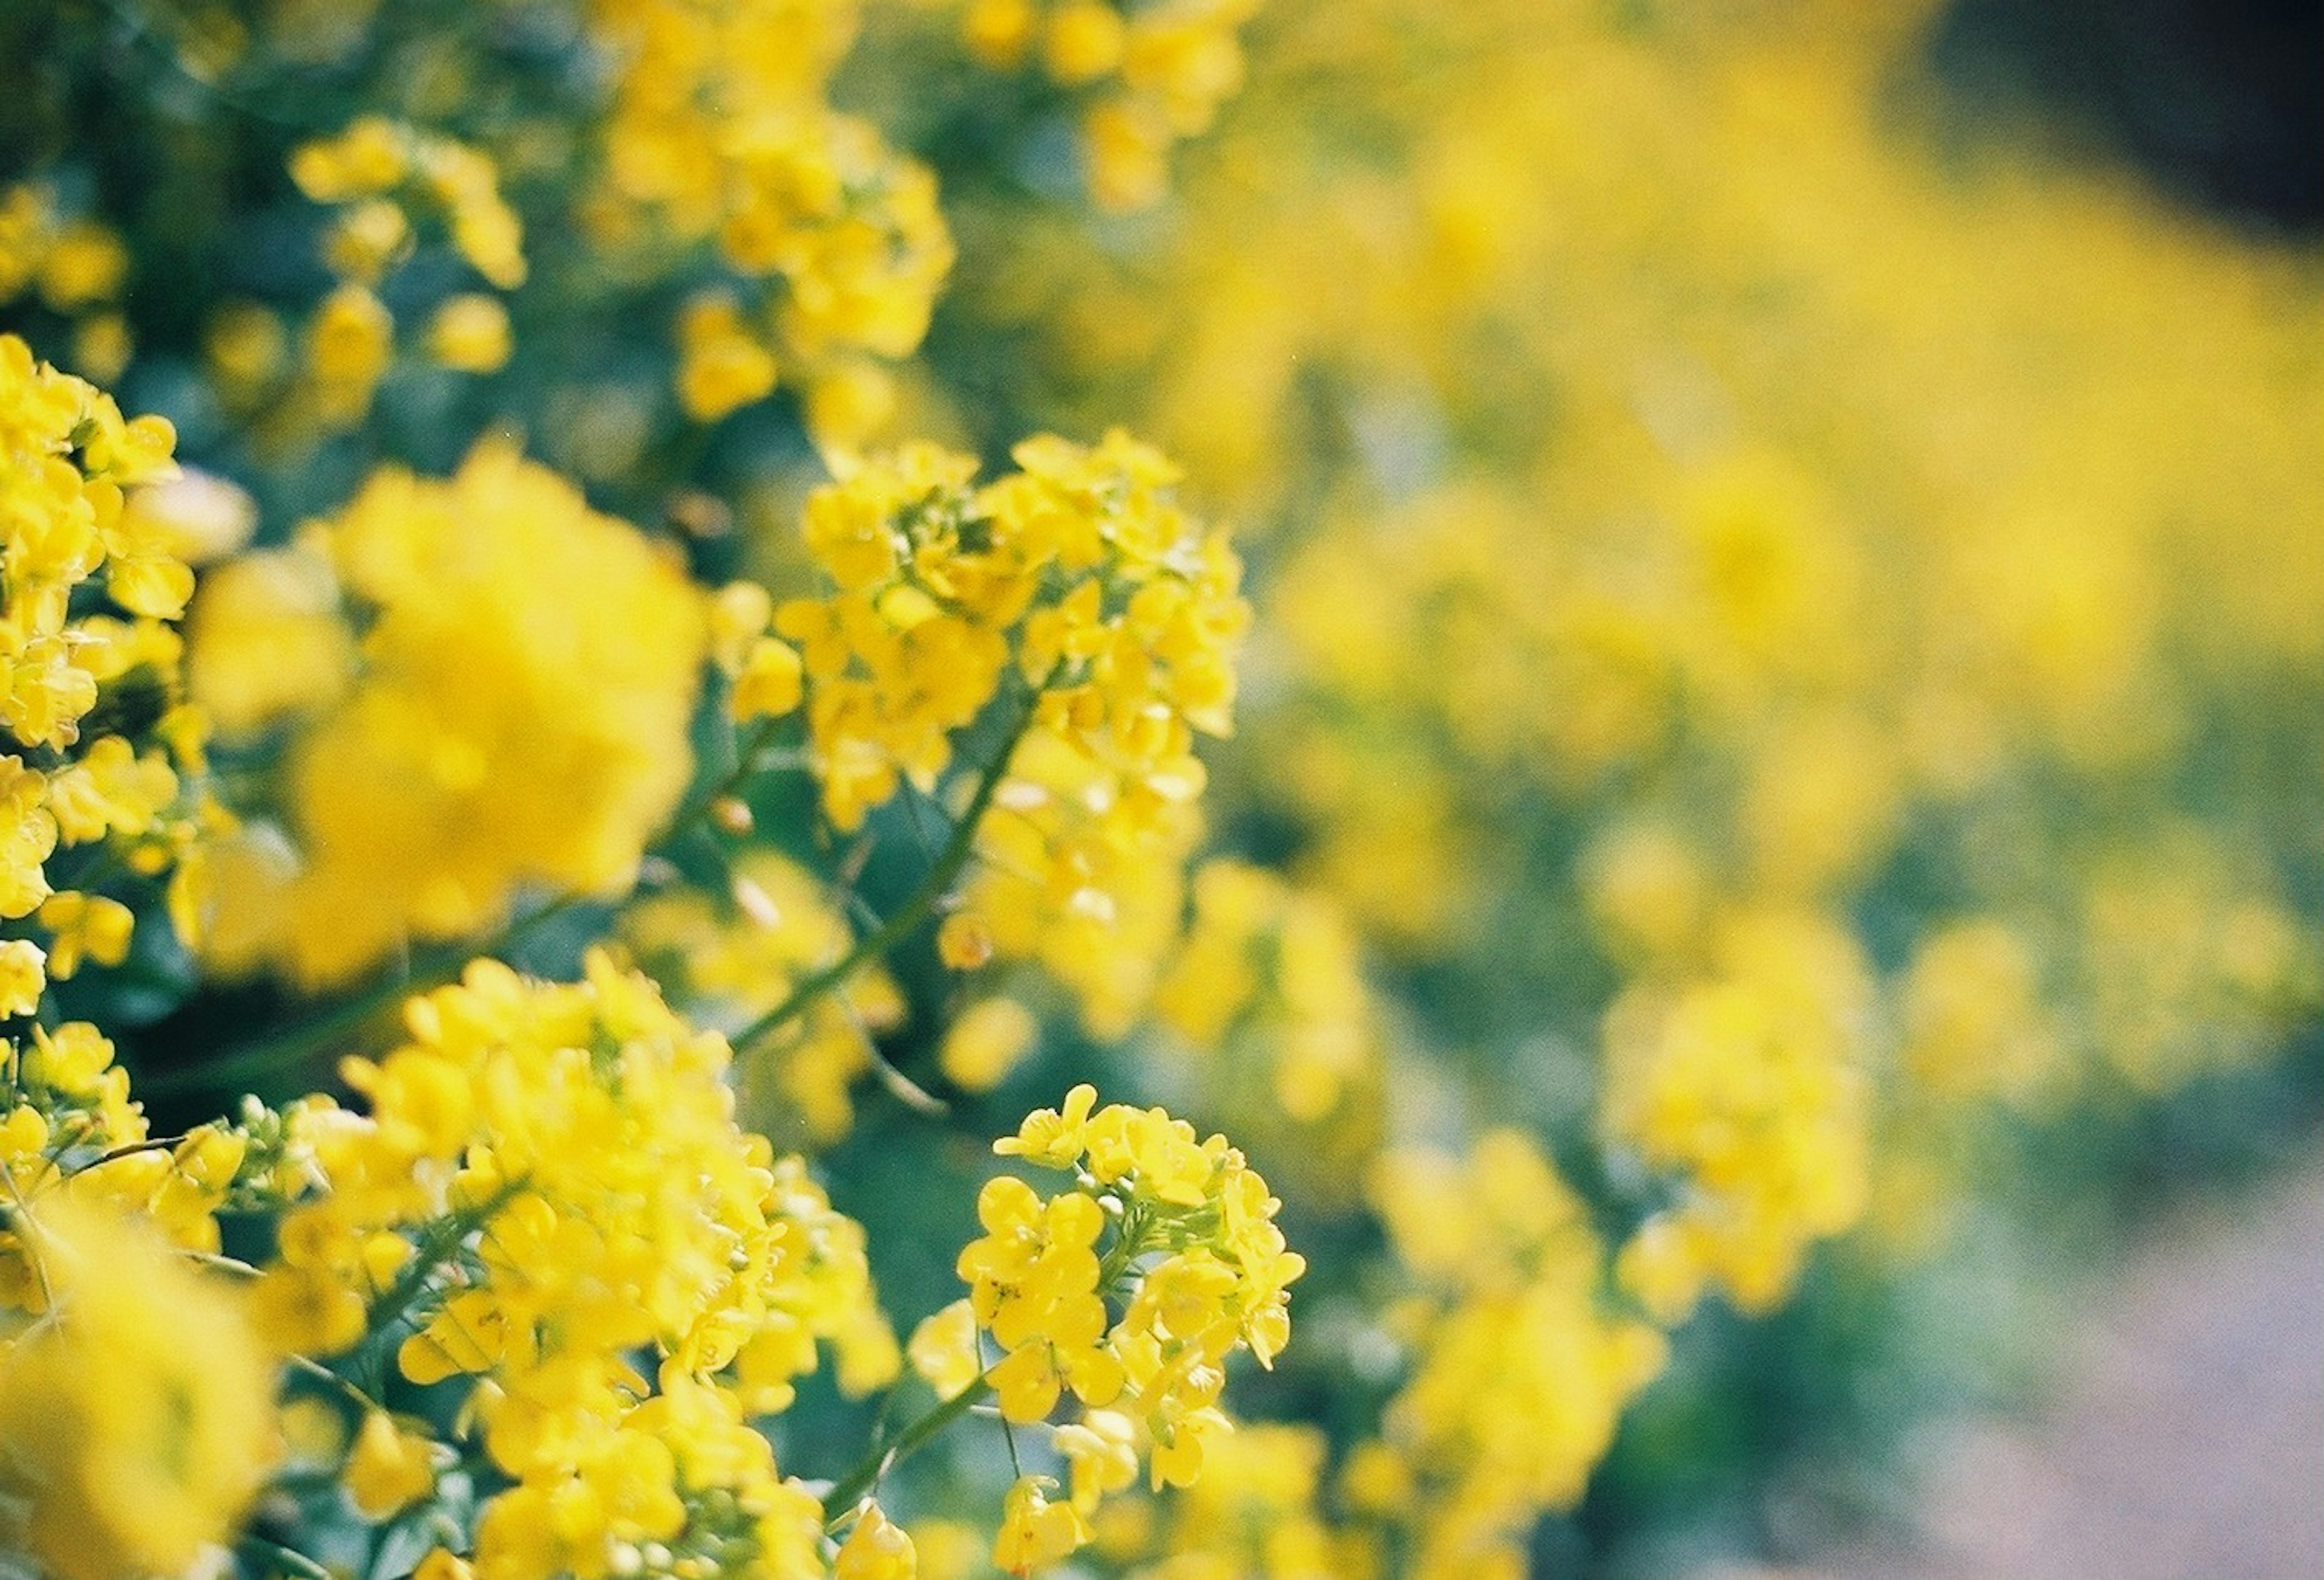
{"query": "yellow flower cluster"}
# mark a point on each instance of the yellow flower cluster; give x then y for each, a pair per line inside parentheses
(687, 73)
(89, 699)
(734, 959)
(1133, 623)
(1063, 880)
(1624, 530)
(1079, 571)
(549, 1184)
(1973, 1021)
(1146, 77)
(135, 1414)
(381, 170)
(720, 128)
(1273, 968)
(1748, 1087)
(1518, 1375)
(1180, 1236)
(77, 267)
(1255, 1515)
(72, 1132)
(483, 683)
(380, 174)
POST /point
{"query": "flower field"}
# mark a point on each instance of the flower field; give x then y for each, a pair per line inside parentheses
(1149, 789)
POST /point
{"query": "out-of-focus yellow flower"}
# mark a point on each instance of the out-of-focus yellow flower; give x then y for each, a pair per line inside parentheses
(470, 334)
(136, 1415)
(350, 342)
(267, 640)
(944, 1349)
(722, 366)
(389, 1468)
(985, 1043)
(518, 713)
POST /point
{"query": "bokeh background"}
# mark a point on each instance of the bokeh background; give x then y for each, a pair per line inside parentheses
(1788, 672)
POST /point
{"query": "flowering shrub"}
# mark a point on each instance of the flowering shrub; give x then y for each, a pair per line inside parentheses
(601, 742)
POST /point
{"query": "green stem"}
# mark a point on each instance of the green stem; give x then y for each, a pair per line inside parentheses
(746, 763)
(332, 1380)
(435, 1248)
(849, 1489)
(947, 870)
(1127, 1245)
(287, 1559)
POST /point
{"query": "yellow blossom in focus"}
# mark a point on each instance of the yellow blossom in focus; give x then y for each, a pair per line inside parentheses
(1033, 1531)
(22, 976)
(876, 1550)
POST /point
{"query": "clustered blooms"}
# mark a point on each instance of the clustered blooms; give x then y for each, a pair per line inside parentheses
(721, 130)
(76, 267)
(73, 1131)
(380, 174)
(1747, 1086)
(549, 1184)
(1280, 963)
(1591, 694)
(98, 754)
(1080, 576)
(1144, 77)
(133, 1401)
(134, 1410)
(1179, 1236)
(1079, 572)
(440, 747)
(1520, 1371)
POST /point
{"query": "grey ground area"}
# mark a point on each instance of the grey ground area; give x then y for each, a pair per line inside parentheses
(2185, 1440)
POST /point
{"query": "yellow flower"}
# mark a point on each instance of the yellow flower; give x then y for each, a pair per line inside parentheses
(350, 342)
(1054, 1138)
(519, 711)
(266, 638)
(944, 1349)
(442, 1564)
(470, 334)
(768, 684)
(1035, 1532)
(22, 976)
(876, 1550)
(371, 156)
(721, 367)
(1083, 41)
(85, 927)
(1101, 1449)
(138, 1417)
(86, 263)
(389, 1469)
(986, 1042)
